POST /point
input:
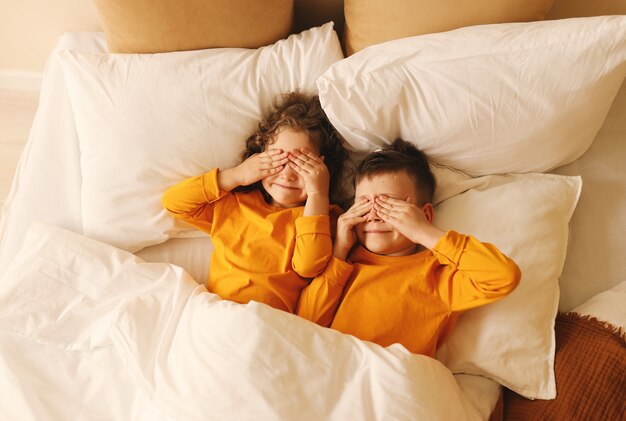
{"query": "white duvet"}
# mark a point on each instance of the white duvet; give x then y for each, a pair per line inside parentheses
(88, 331)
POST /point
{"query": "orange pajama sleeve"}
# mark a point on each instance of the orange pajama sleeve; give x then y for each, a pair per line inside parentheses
(320, 299)
(192, 199)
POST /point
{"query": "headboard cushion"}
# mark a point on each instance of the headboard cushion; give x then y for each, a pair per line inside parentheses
(374, 21)
(155, 26)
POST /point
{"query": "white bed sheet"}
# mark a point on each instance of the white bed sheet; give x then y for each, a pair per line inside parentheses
(43, 382)
(119, 338)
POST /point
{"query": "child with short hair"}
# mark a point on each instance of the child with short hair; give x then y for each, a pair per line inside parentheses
(270, 216)
(394, 276)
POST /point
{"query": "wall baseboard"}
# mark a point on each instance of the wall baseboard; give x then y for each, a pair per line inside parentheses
(17, 80)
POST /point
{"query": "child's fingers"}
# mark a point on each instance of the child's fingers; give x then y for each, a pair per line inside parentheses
(359, 200)
(392, 201)
(309, 161)
(272, 152)
(274, 164)
(301, 162)
(391, 206)
(383, 207)
(308, 155)
(360, 214)
(300, 169)
(386, 217)
(351, 222)
(360, 206)
(387, 210)
(272, 156)
(297, 167)
(270, 171)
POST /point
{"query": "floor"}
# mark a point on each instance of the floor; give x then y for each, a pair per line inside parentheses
(17, 110)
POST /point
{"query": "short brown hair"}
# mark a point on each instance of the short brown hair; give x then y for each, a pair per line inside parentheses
(400, 156)
(303, 112)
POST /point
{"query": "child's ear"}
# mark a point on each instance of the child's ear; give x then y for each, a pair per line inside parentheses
(429, 211)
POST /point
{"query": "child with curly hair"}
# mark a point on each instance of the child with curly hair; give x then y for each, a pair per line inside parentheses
(270, 217)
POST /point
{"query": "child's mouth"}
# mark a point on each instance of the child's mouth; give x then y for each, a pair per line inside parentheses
(286, 187)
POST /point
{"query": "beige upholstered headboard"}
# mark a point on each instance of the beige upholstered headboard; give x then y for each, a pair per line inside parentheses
(579, 8)
(309, 13)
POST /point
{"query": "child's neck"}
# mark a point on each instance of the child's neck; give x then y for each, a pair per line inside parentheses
(414, 249)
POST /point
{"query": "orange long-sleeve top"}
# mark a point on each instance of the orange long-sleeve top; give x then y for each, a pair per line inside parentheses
(260, 252)
(413, 300)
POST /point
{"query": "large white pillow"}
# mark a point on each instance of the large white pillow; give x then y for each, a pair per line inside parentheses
(518, 97)
(145, 122)
(526, 216)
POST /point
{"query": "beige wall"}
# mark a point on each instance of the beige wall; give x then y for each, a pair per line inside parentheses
(29, 29)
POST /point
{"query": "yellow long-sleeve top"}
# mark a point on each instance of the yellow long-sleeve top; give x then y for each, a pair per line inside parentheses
(413, 300)
(260, 252)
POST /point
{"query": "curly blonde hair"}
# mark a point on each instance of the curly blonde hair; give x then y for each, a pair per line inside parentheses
(304, 113)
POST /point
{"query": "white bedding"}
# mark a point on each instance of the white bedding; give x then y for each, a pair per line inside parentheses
(119, 338)
(47, 376)
(78, 381)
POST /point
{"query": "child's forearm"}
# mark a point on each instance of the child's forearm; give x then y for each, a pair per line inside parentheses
(227, 179)
(428, 236)
(340, 253)
(316, 204)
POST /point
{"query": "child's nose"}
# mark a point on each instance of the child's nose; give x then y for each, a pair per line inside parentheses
(372, 216)
(288, 173)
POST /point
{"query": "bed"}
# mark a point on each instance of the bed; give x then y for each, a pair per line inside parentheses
(103, 312)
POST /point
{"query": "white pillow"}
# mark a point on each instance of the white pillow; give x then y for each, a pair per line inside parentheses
(518, 97)
(607, 306)
(526, 215)
(146, 122)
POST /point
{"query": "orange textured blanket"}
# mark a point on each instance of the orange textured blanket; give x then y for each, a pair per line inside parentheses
(590, 369)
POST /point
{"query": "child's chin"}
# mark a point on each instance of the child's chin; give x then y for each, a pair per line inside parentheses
(287, 203)
(377, 247)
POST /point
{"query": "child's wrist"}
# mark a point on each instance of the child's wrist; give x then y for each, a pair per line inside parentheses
(429, 236)
(340, 255)
(317, 195)
(316, 204)
(227, 179)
